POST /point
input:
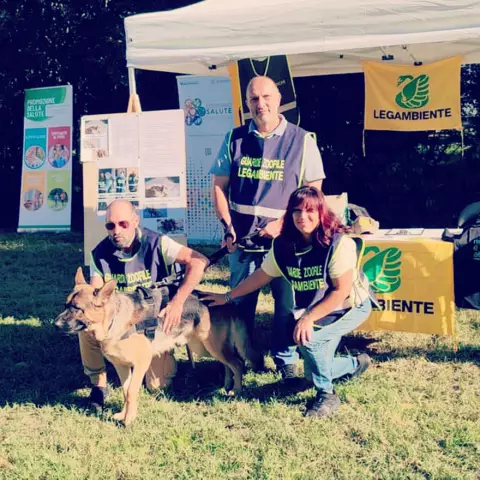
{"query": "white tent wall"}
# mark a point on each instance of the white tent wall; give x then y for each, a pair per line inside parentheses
(319, 36)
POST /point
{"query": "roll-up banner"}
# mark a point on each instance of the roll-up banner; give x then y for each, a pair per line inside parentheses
(45, 198)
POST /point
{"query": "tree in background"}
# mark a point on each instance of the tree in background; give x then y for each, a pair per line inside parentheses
(405, 179)
(49, 42)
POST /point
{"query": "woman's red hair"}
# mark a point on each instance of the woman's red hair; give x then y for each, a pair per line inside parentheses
(311, 198)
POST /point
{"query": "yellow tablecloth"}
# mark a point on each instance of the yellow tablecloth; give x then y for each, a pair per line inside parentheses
(412, 277)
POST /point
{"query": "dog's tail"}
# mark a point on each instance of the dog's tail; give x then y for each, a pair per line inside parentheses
(243, 343)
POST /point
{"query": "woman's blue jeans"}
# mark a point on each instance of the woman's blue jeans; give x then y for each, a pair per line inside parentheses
(319, 354)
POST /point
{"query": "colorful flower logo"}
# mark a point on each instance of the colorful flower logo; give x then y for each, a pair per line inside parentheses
(194, 111)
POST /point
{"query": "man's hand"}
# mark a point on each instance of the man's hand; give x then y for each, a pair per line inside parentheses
(272, 229)
(171, 315)
(303, 332)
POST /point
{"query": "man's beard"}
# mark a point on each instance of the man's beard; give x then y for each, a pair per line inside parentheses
(120, 242)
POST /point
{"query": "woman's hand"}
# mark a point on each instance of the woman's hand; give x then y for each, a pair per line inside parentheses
(303, 332)
(214, 299)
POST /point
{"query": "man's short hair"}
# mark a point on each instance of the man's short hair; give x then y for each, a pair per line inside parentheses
(133, 209)
(261, 76)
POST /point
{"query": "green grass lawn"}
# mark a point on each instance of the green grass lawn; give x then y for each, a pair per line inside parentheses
(415, 414)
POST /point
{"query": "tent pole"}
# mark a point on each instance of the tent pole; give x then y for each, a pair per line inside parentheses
(131, 81)
(134, 100)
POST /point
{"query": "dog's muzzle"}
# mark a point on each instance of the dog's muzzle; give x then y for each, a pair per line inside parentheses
(68, 324)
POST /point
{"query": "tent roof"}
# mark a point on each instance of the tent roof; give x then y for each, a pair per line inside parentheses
(320, 36)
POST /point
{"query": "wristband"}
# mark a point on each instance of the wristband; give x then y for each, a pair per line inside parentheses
(228, 297)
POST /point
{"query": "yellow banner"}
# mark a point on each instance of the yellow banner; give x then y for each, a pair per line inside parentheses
(413, 282)
(410, 98)
(236, 94)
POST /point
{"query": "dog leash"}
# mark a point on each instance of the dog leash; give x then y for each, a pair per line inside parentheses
(215, 257)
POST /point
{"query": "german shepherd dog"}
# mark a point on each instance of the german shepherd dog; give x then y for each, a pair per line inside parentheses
(109, 316)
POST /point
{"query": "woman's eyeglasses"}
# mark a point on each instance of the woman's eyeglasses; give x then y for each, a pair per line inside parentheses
(122, 224)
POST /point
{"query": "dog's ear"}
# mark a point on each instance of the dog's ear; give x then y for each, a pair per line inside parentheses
(106, 291)
(79, 278)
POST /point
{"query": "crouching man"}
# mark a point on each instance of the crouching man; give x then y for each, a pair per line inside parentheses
(135, 257)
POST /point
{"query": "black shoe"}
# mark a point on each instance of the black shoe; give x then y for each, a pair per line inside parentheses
(288, 372)
(96, 400)
(323, 405)
(364, 361)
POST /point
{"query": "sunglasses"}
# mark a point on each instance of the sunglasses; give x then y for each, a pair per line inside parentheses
(122, 224)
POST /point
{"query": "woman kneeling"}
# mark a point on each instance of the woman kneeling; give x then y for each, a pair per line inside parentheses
(331, 295)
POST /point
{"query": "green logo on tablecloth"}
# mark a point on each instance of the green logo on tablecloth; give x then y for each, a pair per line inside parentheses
(383, 269)
(414, 94)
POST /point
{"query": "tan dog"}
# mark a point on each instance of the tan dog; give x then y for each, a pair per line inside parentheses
(109, 316)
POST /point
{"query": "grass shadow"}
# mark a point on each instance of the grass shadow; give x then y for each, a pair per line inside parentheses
(464, 354)
(40, 366)
(205, 383)
(435, 351)
(40, 270)
(43, 367)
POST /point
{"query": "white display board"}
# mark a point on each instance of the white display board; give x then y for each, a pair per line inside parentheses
(45, 198)
(207, 103)
(139, 157)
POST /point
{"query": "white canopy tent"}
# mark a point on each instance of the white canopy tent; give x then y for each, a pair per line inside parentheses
(319, 36)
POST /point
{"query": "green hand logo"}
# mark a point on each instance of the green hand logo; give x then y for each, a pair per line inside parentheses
(383, 269)
(414, 94)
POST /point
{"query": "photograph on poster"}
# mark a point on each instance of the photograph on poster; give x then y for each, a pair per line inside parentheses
(120, 180)
(33, 199)
(96, 138)
(57, 199)
(58, 155)
(102, 205)
(97, 146)
(155, 211)
(171, 226)
(106, 181)
(133, 180)
(162, 187)
(35, 156)
(96, 128)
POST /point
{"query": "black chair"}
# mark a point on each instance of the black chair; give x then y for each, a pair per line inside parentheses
(469, 213)
(466, 257)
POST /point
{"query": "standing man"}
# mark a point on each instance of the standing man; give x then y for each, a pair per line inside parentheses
(135, 257)
(259, 165)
